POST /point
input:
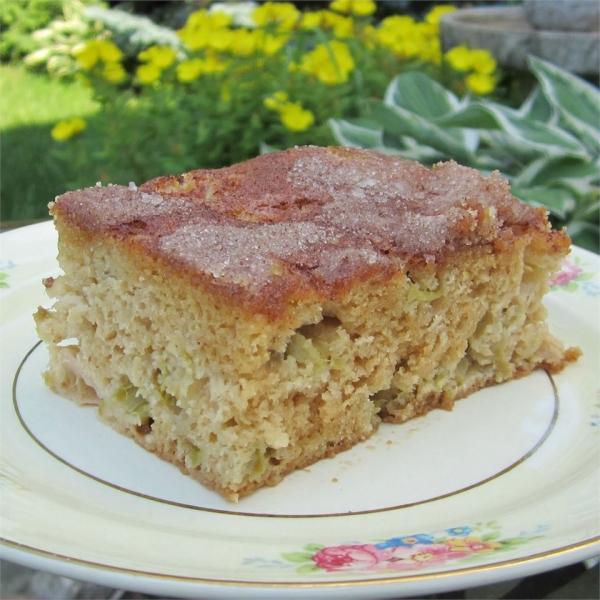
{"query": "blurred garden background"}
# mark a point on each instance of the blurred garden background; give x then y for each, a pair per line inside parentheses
(125, 91)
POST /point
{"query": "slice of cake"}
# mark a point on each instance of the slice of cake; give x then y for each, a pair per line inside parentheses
(248, 321)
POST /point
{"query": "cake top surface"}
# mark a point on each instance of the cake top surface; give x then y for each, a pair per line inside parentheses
(308, 218)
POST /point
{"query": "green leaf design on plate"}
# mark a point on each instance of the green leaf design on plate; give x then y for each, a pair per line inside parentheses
(300, 557)
(309, 568)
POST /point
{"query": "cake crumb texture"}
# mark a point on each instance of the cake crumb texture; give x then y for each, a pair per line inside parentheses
(248, 321)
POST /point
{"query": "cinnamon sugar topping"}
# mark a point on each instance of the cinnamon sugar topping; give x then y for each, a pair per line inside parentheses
(313, 216)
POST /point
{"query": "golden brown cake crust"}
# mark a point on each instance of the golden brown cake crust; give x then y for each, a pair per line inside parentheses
(308, 223)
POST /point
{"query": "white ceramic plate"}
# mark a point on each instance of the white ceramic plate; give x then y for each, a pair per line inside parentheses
(504, 486)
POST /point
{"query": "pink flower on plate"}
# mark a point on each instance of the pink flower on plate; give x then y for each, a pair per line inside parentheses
(568, 272)
(347, 558)
(367, 557)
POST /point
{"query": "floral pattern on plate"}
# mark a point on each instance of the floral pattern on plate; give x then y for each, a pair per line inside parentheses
(573, 276)
(595, 416)
(412, 552)
(5, 266)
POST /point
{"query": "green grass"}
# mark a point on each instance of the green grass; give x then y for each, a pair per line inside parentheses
(30, 105)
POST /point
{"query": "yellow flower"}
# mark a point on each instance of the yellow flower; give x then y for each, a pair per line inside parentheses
(93, 51)
(435, 14)
(202, 29)
(387, 37)
(283, 15)
(459, 58)
(189, 70)
(359, 8)
(397, 23)
(483, 61)
(87, 55)
(212, 64)
(276, 101)
(342, 27)
(471, 544)
(243, 43)
(412, 47)
(192, 38)
(201, 19)
(109, 51)
(394, 31)
(407, 38)
(292, 114)
(480, 83)
(220, 39)
(331, 63)
(219, 20)
(270, 44)
(296, 118)
(247, 43)
(427, 31)
(114, 72)
(65, 130)
(148, 73)
(160, 56)
(312, 19)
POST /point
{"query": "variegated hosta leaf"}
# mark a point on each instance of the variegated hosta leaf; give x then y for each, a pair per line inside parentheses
(401, 122)
(422, 95)
(559, 201)
(577, 175)
(589, 211)
(584, 234)
(547, 170)
(512, 155)
(584, 222)
(496, 149)
(355, 135)
(537, 107)
(416, 93)
(266, 149)
(527, 135)
(577, 101)
(412, 150)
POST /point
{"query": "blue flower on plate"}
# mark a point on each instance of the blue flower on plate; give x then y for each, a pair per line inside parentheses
(409, 540)
(459, 531)
(591, 288)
